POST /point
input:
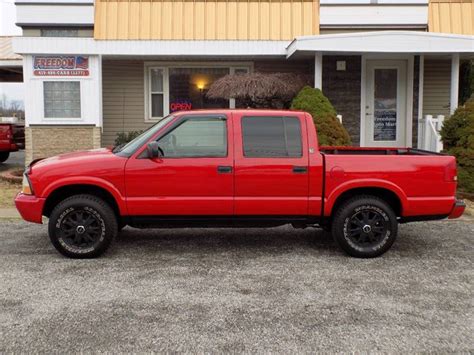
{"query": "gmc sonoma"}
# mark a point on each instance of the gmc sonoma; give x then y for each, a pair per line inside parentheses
(237, 168)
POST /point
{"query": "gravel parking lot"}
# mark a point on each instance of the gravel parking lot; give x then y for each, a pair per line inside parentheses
(273, 290)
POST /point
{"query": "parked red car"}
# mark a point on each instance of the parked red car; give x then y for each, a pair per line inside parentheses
(222, 168)
(12, 138)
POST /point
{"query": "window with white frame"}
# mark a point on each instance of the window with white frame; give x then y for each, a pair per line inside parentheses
(180, 88)
(62, 99)
(157, 94)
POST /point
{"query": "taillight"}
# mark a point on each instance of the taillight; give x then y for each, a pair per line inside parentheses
(450, 172)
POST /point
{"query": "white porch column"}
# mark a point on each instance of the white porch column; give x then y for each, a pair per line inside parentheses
(318, 70)
(454, 82)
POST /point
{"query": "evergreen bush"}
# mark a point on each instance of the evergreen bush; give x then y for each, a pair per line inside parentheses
(330, 130)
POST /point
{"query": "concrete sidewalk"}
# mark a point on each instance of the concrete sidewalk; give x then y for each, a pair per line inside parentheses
(9, 213)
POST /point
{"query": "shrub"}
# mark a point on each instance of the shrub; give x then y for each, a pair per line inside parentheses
(125, 137)
(330, 130)
(458, 139)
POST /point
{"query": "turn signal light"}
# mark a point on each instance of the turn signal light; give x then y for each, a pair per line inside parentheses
(26, 186)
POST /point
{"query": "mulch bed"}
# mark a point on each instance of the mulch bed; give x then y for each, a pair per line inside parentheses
(13, 175)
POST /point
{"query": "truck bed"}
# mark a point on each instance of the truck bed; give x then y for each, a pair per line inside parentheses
(374, 151)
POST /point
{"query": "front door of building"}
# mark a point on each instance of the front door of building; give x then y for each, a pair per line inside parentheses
(386, 108)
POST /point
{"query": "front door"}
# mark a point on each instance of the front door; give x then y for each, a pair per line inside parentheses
(385, 111)
(194, 176)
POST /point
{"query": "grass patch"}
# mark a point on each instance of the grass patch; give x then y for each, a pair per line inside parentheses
(8, 192)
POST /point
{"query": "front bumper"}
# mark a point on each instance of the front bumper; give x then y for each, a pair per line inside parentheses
(458, 209)
(30, 207)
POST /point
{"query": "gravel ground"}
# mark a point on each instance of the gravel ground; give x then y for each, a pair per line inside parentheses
(273, 290)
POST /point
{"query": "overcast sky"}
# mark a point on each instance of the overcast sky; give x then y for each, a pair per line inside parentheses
(8, 19)
(14, 91)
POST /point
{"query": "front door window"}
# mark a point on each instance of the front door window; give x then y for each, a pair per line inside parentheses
(385, 105)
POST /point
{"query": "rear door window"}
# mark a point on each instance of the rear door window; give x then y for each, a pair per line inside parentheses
(271, 137)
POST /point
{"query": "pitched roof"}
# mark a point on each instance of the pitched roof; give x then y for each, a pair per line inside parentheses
(6, 49)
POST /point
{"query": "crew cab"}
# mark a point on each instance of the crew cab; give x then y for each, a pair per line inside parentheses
(12, 138)
(235, 168)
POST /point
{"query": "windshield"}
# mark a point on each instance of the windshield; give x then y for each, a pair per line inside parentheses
(128, 149)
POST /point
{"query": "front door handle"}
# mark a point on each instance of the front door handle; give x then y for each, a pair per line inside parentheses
(300, 169)
(224, 169)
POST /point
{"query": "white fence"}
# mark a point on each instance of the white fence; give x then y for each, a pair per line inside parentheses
(428, 133)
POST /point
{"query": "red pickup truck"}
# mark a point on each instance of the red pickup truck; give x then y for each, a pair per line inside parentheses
(12, 138)
(221, 168)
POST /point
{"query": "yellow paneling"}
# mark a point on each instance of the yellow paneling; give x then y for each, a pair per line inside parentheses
(451, 16)
(206, 19)
(199, 19)
(156, 19)
(167, 20)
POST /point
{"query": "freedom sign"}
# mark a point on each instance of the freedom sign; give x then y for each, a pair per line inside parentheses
(60, 66)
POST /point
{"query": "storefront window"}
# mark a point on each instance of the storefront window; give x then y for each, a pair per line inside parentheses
(188, 88)
(171, 89)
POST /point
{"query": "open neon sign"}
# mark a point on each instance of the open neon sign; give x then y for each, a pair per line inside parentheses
(181, 105)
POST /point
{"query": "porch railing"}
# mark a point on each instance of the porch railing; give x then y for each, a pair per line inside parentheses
(429, 137)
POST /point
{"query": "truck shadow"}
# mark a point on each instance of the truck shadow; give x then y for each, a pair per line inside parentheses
(218, 240)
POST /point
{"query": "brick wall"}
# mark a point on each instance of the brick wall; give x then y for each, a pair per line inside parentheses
(342, 88)
(46, 141)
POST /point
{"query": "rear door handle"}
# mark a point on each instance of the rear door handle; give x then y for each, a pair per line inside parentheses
(224, 169)
(300, 169)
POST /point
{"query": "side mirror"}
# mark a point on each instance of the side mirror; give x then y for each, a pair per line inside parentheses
(154, 150)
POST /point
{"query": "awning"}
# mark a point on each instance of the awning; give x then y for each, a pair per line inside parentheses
(383, 42)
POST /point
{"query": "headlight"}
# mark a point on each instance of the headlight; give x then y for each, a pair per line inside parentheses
(26, 186)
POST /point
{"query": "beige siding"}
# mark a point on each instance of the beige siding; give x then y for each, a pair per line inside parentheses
(206, 19)
(123, 98)
(451, 16)
(436, 88)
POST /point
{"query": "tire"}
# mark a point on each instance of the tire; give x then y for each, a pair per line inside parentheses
(365, 226)
(82, 226)
(4, 156)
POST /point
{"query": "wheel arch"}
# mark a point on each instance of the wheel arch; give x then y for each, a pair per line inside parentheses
(393, 196)
(64, 191)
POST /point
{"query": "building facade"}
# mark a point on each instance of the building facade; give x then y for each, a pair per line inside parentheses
(96, 69)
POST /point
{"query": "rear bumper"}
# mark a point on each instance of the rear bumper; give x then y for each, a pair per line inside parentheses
(30, 207)
(458, 209)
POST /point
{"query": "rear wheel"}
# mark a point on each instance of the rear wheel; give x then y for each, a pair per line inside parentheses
(365, 226)
(82, 226)
(4, 156)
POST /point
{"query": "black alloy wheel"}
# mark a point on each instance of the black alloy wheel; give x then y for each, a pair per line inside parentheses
(365, 226)
(82, 226)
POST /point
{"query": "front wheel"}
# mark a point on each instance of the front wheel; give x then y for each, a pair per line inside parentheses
(82, 226)
(4, 156)
(365, 226)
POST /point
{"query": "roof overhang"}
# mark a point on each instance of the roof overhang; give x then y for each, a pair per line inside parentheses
(170, 48)
(14, 63)
(383, 42)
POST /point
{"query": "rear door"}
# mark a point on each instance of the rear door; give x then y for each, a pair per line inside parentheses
(271, 164)
(193, 177)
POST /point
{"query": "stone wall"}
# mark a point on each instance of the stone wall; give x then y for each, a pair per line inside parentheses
(342, 88)
(49, 140)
